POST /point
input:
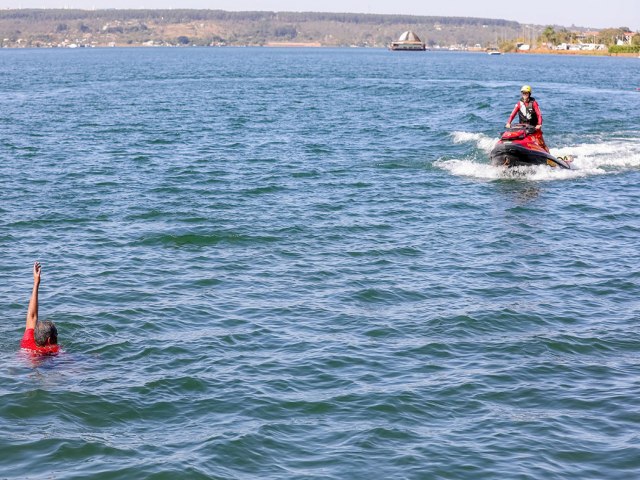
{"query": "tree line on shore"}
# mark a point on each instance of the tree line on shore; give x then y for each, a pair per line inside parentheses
(183, 27)
(187, 15)
(52, 27)
(607, 36)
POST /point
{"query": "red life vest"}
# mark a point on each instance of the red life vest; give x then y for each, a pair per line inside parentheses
(527, 114)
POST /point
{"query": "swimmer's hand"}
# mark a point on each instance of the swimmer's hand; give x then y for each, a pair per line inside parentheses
(37, 268)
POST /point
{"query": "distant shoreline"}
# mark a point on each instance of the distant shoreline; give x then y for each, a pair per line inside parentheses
(592, 53)
(74, 28)
(315, 45)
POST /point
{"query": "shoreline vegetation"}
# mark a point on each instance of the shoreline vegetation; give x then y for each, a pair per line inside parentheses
(592, 53)
(62, 28)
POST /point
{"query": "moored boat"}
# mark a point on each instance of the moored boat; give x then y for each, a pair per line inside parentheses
(408, 41)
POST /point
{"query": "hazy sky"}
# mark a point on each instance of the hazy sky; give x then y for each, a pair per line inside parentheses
(584, 13)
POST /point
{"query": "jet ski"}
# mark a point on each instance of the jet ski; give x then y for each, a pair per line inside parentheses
(522, 145)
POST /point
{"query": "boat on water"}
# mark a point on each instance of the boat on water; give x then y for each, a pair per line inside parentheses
(408, 42)
(493, 51)
(522, 145)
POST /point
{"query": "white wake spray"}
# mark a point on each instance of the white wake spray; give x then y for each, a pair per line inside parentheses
(598, 158)
(483, 142)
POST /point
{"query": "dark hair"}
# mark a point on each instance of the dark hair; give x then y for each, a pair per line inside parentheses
(45, 331)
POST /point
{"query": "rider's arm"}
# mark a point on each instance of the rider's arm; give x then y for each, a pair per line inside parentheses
(513, 114)
(536, 107)
(32, 313)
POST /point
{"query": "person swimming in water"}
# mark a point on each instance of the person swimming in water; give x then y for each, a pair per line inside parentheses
(39, 337)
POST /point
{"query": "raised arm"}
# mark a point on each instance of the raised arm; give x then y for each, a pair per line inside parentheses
(32, 313)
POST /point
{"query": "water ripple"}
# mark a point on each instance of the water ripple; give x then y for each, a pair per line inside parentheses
(300, 264)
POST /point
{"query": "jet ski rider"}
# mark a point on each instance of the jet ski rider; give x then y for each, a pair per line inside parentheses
(529, 113)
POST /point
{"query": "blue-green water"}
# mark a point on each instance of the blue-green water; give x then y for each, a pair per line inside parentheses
(269, 264)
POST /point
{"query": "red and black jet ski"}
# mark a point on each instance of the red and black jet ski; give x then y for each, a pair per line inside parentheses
(523, 145)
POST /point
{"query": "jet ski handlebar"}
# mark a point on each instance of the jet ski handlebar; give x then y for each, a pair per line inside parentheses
(522, 126)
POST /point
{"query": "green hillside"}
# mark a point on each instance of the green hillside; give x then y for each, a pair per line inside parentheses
(52, 28)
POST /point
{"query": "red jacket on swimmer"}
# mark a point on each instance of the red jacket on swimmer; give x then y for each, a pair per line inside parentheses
(39, 337)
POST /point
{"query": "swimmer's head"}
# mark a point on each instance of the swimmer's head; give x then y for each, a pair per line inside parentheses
(45, 334)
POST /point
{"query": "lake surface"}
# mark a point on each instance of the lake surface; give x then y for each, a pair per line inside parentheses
(269, 264)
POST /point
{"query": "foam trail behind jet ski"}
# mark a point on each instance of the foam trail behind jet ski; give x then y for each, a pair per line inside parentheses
(598, 158)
